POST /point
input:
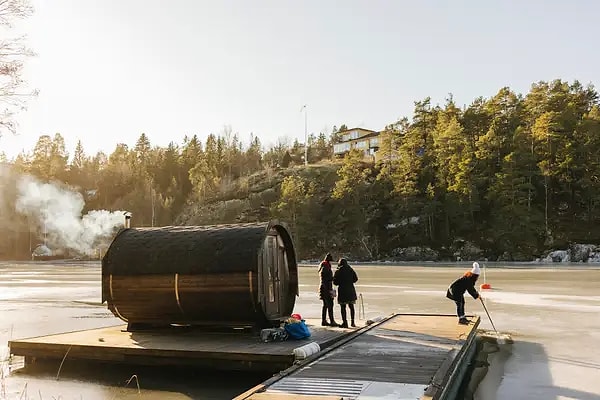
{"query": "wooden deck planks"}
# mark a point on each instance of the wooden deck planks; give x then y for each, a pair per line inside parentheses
(405, 349)
(409, 352)
(171, 346)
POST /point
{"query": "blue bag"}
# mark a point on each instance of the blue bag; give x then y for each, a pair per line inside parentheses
(297, 330)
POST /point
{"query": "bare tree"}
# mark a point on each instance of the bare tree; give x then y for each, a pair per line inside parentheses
(13, 53)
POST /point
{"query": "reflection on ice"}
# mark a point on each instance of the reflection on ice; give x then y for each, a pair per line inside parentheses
(395, 287)
(40, 293)
(563, 302)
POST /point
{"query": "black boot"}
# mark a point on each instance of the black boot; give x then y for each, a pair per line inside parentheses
(331, 320)
(463, 321)
(352, 313)
(352, 324)
(324, 317)
(344, 317)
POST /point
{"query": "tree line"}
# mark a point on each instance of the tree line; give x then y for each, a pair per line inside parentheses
(515, 175)
(155, 183)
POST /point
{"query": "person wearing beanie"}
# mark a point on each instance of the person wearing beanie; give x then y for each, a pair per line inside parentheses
(345, 277)
(326, 292)
(457, 289)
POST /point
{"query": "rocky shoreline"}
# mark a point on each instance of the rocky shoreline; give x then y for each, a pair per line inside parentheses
(576, 253)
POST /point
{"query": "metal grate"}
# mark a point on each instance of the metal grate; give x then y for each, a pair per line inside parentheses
(350, 389)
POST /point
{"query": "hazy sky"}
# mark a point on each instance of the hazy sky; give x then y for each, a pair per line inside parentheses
(109, 70)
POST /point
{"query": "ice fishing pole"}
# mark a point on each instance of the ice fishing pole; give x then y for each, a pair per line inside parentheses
(362, 307)
(488, 314)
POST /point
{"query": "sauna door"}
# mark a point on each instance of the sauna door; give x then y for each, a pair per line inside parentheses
(271, 269)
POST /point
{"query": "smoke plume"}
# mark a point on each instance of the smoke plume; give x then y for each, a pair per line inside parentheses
(57, 211)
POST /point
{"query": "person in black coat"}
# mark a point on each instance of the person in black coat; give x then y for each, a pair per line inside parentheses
(326, 291)
(457, 289)
(345, 277)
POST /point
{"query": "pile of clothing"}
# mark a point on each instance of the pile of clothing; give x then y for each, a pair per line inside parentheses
(293, 328)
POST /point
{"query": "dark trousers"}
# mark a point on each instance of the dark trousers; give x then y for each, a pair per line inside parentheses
(460, 307)
(327, 309)
(344, 314)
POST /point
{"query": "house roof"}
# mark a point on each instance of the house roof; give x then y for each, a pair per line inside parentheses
(354, 129)
(370, 133)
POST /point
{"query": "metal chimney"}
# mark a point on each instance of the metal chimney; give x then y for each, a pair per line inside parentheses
(127, 219)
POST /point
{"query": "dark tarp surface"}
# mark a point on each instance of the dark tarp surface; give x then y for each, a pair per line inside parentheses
(186, 249)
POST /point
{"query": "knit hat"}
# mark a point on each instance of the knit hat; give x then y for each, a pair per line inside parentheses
(475, 270)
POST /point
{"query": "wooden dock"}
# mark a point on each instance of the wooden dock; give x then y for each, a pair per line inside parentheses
(404, 356)
(173, 346)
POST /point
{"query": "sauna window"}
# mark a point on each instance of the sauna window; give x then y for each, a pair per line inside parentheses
(282, 252)
(270, 266)
(271, 291)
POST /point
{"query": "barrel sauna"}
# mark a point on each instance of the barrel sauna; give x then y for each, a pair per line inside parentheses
(236, 275)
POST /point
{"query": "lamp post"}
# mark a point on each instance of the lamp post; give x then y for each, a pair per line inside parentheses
(305, 134)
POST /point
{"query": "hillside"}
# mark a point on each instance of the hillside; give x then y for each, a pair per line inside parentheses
(304, 197)
(258, 197)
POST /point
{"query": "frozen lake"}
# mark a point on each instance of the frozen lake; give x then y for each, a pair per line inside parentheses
(553, 314)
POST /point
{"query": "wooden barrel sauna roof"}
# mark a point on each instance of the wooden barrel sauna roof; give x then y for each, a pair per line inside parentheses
(191, 249)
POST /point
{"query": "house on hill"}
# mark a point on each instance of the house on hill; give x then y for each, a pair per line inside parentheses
(357, 138)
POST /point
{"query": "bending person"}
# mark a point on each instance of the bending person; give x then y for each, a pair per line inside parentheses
(457, 289)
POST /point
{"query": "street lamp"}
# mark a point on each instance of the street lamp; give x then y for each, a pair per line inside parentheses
(304, 107)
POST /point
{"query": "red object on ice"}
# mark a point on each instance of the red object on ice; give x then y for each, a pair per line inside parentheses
(486, 286)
